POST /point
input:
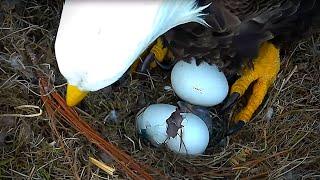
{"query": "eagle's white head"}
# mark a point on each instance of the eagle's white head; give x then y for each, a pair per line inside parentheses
(98, 40)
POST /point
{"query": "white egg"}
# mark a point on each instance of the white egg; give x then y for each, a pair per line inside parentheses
(202, 85)
(192, 138)
(151, 123)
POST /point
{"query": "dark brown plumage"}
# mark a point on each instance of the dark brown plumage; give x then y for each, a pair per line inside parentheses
(239, 27)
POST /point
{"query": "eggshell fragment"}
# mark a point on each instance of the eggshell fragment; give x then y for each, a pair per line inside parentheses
(151, 123)
(192, 138)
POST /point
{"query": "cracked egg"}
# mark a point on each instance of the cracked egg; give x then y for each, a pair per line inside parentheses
(182, 132)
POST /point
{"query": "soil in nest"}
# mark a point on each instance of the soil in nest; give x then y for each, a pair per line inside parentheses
(282, 141)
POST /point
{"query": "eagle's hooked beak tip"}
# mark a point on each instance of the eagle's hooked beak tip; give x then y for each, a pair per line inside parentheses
(74, 95)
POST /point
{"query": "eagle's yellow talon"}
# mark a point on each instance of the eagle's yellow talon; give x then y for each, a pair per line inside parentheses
(159, 50)
(264, 72)
(242, 84)
(259, 91)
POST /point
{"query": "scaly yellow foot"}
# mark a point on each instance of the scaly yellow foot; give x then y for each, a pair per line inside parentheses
(156, 53)
(265, 69)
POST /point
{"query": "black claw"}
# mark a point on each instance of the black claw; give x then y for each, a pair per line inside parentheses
(230, 101)
(236, 128)
(250, 64)
(146, 63)
(165, 66)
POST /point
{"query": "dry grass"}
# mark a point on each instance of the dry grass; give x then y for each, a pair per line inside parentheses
(282, 141)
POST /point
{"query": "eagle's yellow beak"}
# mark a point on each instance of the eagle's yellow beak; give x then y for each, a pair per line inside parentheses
(74, 95)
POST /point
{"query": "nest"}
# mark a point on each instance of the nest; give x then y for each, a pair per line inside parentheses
(282, 141)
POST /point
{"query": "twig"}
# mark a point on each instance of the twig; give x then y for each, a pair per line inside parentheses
(303, 159)
(24, 115)
(102, 166)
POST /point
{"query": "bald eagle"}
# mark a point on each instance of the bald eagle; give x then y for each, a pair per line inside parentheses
(97, 41)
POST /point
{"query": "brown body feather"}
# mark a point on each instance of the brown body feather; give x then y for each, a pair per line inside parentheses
(239, 27)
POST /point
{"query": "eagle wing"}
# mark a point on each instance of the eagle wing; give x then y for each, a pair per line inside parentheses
(237, 29)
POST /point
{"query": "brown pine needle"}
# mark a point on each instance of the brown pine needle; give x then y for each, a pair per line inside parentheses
(56, 106)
